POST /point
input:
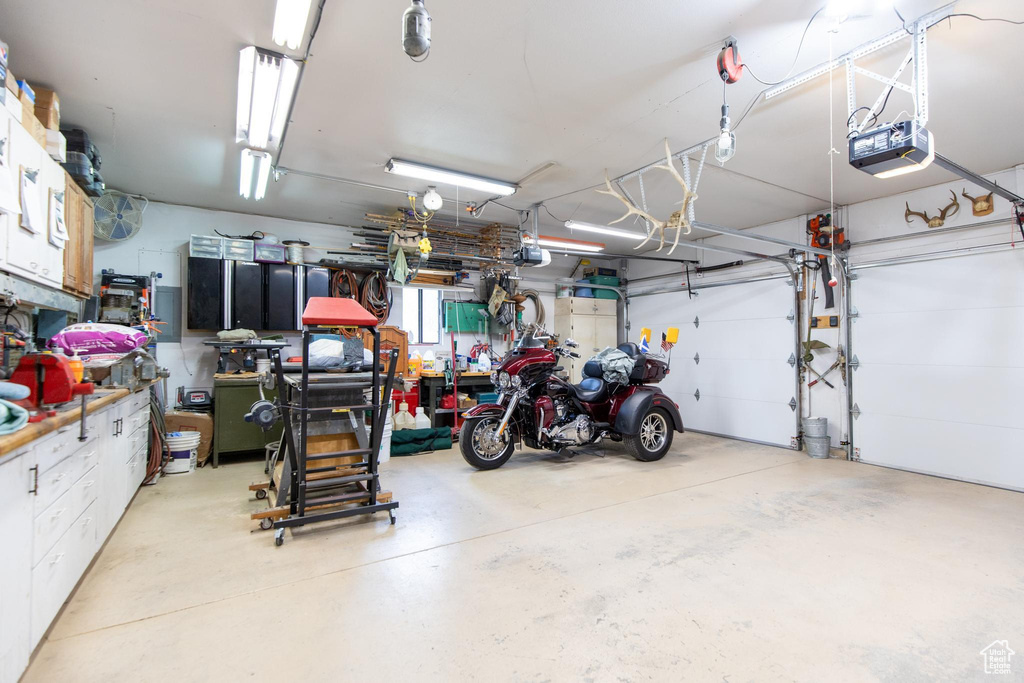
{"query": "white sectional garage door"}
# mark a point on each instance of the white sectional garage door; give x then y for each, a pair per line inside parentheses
(941, 375)
(744, 340)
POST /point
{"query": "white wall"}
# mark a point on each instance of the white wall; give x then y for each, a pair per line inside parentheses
(162, 246)
(863, 221)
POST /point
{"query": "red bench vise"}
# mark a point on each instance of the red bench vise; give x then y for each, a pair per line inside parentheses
(50, 381)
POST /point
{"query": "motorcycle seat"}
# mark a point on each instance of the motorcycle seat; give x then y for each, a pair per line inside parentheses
(593, 388)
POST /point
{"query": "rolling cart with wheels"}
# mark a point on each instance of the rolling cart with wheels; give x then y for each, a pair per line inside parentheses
(316, 485)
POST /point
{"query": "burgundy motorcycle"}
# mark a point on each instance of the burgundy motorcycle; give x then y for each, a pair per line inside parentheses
(538, 407)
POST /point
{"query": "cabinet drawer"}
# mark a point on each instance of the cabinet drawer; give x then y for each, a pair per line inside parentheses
(136, 472)
(51, 524)
(136, 443)
(53, 483)
(59, 570)
(139, 400)
(136, 421)
(83, 493)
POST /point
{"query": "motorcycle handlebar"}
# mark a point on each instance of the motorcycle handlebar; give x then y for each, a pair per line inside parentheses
(574, 354)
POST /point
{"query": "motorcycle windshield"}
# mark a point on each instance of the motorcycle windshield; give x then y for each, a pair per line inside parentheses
(533, 338)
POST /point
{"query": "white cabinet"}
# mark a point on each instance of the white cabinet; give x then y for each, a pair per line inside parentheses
(17, 480)
(592, 323)
(59, 499)
(5, 153)
(29, 253)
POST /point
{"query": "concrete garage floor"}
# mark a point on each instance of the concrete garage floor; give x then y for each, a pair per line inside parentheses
(724, 561)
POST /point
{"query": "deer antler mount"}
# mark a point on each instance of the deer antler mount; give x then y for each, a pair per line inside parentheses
(678, 221)
(980, 206)
(935, 221)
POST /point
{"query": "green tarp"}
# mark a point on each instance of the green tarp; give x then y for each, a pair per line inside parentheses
(412, 441)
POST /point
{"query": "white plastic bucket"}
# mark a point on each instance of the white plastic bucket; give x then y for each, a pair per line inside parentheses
(184, 447)
(262, 365)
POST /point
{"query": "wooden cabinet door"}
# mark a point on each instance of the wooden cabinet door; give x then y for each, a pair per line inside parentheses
(86, 266)
(73, 249)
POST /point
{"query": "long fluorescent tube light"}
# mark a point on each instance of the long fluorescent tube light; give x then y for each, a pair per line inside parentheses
(266, 87)
(564, 243)
(263, 175)
(604, 230)
(250, 157)
(245, 178)
(290, 22)
(439, 175)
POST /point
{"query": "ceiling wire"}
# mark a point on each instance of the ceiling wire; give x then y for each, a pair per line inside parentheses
(792, 66)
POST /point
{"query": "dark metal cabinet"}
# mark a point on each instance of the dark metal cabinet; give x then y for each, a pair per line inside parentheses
(246, 295)
(205, 294)
(278, 296)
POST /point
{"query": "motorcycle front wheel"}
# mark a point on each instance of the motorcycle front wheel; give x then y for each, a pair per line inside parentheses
(480, 444)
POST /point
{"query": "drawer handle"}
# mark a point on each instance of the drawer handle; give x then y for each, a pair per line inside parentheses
(35, 480)
(59, 477)
(87, 521)
(57, 558)
(88, 484)
(57, 514)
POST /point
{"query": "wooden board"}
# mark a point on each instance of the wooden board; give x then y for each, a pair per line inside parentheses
(283, 511)
(391, 337)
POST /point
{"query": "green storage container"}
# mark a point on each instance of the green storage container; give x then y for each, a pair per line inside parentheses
(605, 294)
(603, 280)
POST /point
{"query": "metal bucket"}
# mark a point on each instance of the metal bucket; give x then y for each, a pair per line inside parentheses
(815, 426)
(817, 446)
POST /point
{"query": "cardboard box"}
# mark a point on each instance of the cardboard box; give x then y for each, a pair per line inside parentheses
(50, 118)
(188, 421)
(11, 82)
(33, 126)
(47, 108)
(26, 100)
(56, 145)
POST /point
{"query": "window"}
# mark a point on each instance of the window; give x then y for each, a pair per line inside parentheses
(421, 315)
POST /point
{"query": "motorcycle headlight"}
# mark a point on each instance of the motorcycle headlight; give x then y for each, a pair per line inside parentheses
(494, 377)
(503, 380)
(517, 381)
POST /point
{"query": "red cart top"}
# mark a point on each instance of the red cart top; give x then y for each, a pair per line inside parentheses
(328, 311)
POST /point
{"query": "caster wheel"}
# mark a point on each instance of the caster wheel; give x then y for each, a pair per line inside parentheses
(394, 518)
(261, 494)
(279, 537)
(266, 523)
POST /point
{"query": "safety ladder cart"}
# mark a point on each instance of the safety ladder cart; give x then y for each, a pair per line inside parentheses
(308, 491)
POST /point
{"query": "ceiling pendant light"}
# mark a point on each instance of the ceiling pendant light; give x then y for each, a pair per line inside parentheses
(432, 200)
(290, 22)
(725, 146)
(266, 87)
(604, 230)
(412, 169)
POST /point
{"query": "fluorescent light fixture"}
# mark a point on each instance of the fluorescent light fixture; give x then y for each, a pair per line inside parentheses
(266, 87)
(604, 230)
(290, 22)
(263, 175)
(564, 243)
(245, 178)
(439, 175)
(249, 168)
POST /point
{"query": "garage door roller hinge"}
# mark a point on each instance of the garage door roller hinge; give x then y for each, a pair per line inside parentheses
(854, 362)
(696, 394)
(792, 360)
(696, 321)
(792, 316)
(792, 404)
(855, 411)
(696, 358)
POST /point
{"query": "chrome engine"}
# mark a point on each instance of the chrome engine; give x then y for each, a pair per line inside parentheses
(574, 432)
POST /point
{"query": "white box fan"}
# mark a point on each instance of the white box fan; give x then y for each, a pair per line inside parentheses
(118, 216)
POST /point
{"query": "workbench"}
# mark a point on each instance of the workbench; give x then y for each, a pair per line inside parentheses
(433, 384)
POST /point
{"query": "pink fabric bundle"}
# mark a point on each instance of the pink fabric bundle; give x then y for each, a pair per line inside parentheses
(92, 338)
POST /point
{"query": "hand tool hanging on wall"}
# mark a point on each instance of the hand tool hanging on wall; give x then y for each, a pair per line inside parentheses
(822, 234)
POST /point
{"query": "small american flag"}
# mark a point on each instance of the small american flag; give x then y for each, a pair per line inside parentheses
(666, 345)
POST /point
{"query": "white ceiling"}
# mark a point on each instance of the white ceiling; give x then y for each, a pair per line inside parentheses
(508, 87)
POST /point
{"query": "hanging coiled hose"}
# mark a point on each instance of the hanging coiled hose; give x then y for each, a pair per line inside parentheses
(344, 284)
(376, 297)
(538, 306)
